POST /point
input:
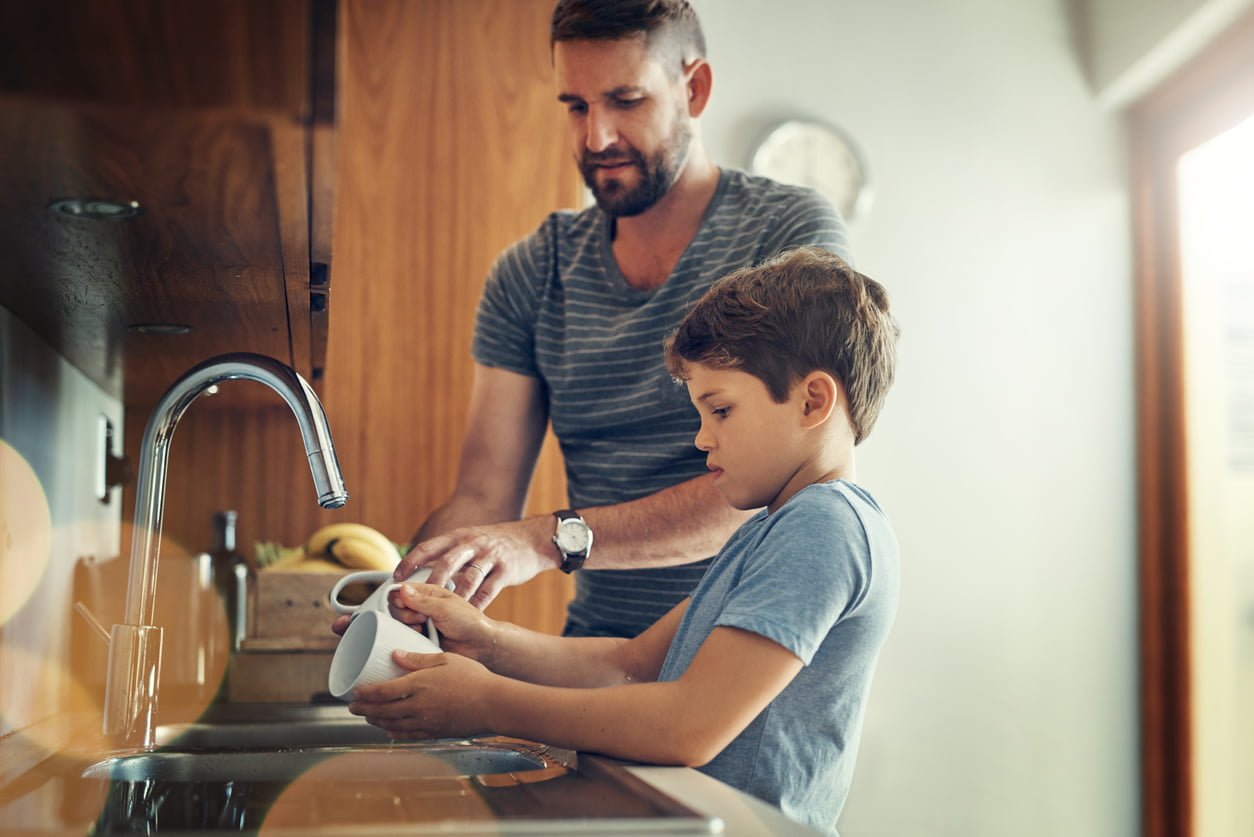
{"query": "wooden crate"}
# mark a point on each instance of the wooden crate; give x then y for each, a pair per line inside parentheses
(291, 606)
(276, 676)
(286, 656)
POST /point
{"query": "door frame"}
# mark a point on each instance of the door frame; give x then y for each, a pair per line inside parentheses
(1209, 95)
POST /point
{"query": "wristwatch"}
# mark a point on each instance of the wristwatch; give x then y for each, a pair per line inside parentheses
(573, 539)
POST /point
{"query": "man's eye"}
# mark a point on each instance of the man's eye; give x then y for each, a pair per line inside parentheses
(628, 103)
(576, 108)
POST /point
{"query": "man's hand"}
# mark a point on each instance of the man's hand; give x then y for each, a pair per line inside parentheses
(442, 696)
(484, 560)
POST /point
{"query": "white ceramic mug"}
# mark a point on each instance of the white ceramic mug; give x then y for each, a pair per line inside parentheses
(377, 600)
(364, 655)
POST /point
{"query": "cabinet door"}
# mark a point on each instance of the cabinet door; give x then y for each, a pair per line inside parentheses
(153, 179)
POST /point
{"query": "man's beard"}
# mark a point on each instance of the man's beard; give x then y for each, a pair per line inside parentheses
(657, 174)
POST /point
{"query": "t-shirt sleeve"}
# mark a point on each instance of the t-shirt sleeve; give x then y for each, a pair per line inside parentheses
(505, 323)
(810, 569)
(809, 219)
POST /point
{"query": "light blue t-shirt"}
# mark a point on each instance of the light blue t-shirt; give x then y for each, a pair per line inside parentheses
(557, 308)
(819, 577)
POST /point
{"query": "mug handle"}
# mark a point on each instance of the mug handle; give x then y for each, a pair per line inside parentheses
(344, 581)
(383, 608)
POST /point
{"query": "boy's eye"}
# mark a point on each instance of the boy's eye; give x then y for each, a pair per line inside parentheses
(720, 412)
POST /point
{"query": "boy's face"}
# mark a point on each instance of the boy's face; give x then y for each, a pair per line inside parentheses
(628, 118)
(754, 446)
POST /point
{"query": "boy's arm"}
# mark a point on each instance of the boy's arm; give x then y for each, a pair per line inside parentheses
(732, 678)
(522, 654)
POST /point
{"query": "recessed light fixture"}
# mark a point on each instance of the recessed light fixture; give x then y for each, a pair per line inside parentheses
(159, 328)
(96, 210)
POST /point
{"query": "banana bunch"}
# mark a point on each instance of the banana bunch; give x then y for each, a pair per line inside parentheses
(355, 546)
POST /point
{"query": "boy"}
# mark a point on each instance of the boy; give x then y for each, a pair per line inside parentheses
(761, 677)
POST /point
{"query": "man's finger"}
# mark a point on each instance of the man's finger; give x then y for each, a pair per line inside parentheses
(473, 572)
(448, 564)
(420, 555)
(488, 590)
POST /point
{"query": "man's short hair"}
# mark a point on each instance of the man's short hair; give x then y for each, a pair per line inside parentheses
(670, 27)
(802, 311)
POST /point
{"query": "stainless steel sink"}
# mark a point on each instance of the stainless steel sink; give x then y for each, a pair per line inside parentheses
(270, 726)
(408, 762)
(318, 770)
(302, 733)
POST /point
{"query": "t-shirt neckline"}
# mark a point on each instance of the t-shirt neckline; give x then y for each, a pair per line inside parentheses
(615, 276)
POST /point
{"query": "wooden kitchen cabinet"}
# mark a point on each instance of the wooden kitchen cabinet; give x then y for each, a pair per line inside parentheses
(448, 145)
(215, 121)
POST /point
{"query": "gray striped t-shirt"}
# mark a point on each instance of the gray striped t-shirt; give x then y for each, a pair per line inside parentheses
(556, 307)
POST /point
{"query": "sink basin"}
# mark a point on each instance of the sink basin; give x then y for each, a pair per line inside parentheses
(289, 769)
(299, 733)
(425, 761)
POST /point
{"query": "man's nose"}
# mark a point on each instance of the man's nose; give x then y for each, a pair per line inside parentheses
(602, 131)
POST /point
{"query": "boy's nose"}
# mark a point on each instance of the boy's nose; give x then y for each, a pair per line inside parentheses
(702, 440)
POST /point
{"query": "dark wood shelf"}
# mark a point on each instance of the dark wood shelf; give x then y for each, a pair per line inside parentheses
(216, 118)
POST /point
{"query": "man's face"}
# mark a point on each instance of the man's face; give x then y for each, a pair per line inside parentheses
(629, 121)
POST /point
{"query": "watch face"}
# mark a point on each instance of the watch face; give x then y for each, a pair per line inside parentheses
(572, 536)
(816, 155)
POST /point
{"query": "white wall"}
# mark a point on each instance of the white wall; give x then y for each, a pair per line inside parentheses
(1006, 699)
(1131, 45)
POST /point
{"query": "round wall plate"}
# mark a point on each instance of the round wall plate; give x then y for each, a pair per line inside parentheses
(807, 152)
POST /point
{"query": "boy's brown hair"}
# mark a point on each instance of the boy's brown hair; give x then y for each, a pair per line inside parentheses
(804, 310)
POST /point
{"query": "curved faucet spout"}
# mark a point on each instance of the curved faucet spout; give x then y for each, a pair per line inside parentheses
(128, 684)
(155, 449)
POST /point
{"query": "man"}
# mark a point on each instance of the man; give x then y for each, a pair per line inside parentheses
(570, 323)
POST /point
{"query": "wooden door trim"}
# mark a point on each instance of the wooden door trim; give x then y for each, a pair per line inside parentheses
(1210, 95)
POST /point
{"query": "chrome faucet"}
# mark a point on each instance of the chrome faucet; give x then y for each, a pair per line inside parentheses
(135, 645)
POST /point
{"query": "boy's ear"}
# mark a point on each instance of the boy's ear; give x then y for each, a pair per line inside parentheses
(819, 396)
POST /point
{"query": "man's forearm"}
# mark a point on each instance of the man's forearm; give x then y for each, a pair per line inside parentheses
(677, 525)
(460, 510)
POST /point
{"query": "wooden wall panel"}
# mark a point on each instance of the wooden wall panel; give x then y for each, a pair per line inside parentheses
(450, 146)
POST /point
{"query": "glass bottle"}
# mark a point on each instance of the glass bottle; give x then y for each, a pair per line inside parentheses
(230, 575)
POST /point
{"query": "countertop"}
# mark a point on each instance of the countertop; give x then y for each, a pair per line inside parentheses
(742, 815)
(42, 792)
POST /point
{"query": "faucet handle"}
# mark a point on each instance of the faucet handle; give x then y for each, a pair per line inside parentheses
(90, 618)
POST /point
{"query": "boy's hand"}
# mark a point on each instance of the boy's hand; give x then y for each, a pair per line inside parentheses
(442, 696)
(463, 628)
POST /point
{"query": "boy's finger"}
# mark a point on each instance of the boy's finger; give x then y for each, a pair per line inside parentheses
(398, 688)
(415, 660)
(420, 597)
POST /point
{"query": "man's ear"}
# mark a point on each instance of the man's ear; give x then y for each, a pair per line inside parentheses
(819, 396)
(698, 81)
